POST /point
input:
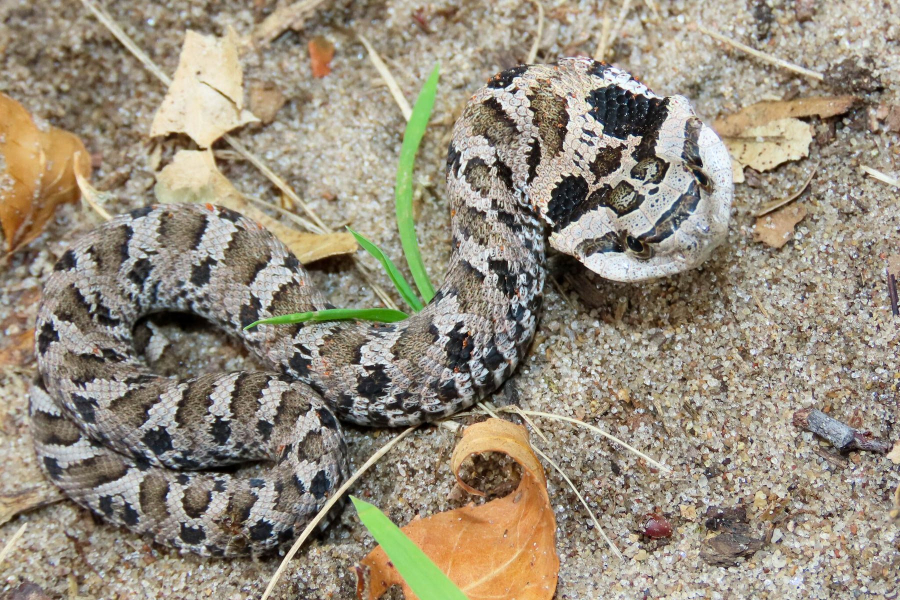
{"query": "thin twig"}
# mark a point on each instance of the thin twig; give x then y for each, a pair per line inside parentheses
(843, 437)
(612, 546)
(652, 6)
(595, 429)
(892, 291)
(532, 54)
(331, 502)
(320, 227)
(560, 291)
(874, 174)
(760, 306)
(775, 205)
(603, 44)
(620, 21)
(762, 55)
(388, 78)
(12, 542)
(312, 227)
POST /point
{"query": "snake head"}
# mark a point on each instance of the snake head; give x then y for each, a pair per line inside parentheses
(659, 203)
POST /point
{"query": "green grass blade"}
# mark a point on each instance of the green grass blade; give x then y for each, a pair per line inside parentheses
(382, 315)
(423, 576)
(406, 292)
(403, 192)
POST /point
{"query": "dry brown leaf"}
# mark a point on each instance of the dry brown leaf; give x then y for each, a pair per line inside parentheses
(36, 172)
(16, 503)
(321, 51)
(764, 112)
(205, 100)
(767, 146)
(777, 229)
(505, 548)
(193, 176)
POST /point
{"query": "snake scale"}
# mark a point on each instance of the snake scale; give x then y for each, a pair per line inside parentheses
(633, 185)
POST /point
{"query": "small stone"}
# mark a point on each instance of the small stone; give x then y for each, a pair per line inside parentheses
(777, 536)
(759, 500)
(641, 555)
(688, 511)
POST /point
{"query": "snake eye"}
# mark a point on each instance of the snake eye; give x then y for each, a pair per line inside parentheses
(638, 247)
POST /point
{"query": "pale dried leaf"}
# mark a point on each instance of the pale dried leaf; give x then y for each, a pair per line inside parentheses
(206, 98)
(22, 501)
(777, 229)
(193, 177)
(764, 112)
(767, 146)
(737, 171)
(36, 172)
(505, 548)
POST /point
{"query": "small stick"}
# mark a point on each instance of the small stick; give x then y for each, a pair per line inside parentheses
(840, 435)
(775, 205)
(620, 21)
(603, 44)
(874, 174)
(532, 54)
(12, 542)
(388, 78)
(762, 55)
(892, 292)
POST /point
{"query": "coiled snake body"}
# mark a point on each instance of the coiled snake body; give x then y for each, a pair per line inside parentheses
(633, 185)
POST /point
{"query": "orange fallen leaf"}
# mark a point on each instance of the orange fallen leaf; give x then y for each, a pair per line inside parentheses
(321, 51)
(205, 99)
(777, 228)
(505, 548)
(36, 172)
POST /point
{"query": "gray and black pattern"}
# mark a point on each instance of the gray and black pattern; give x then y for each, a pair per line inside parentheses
(633, 185)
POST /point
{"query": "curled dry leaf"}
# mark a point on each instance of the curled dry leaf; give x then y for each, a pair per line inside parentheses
(321, 51)
(777, 228)
(36, 172)
(193, 177)
(206, 98)
(505, 548)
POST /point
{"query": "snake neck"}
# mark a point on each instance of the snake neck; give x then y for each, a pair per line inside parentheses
(473, 334)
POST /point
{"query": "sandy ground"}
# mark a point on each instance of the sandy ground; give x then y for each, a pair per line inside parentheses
(702, 371)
